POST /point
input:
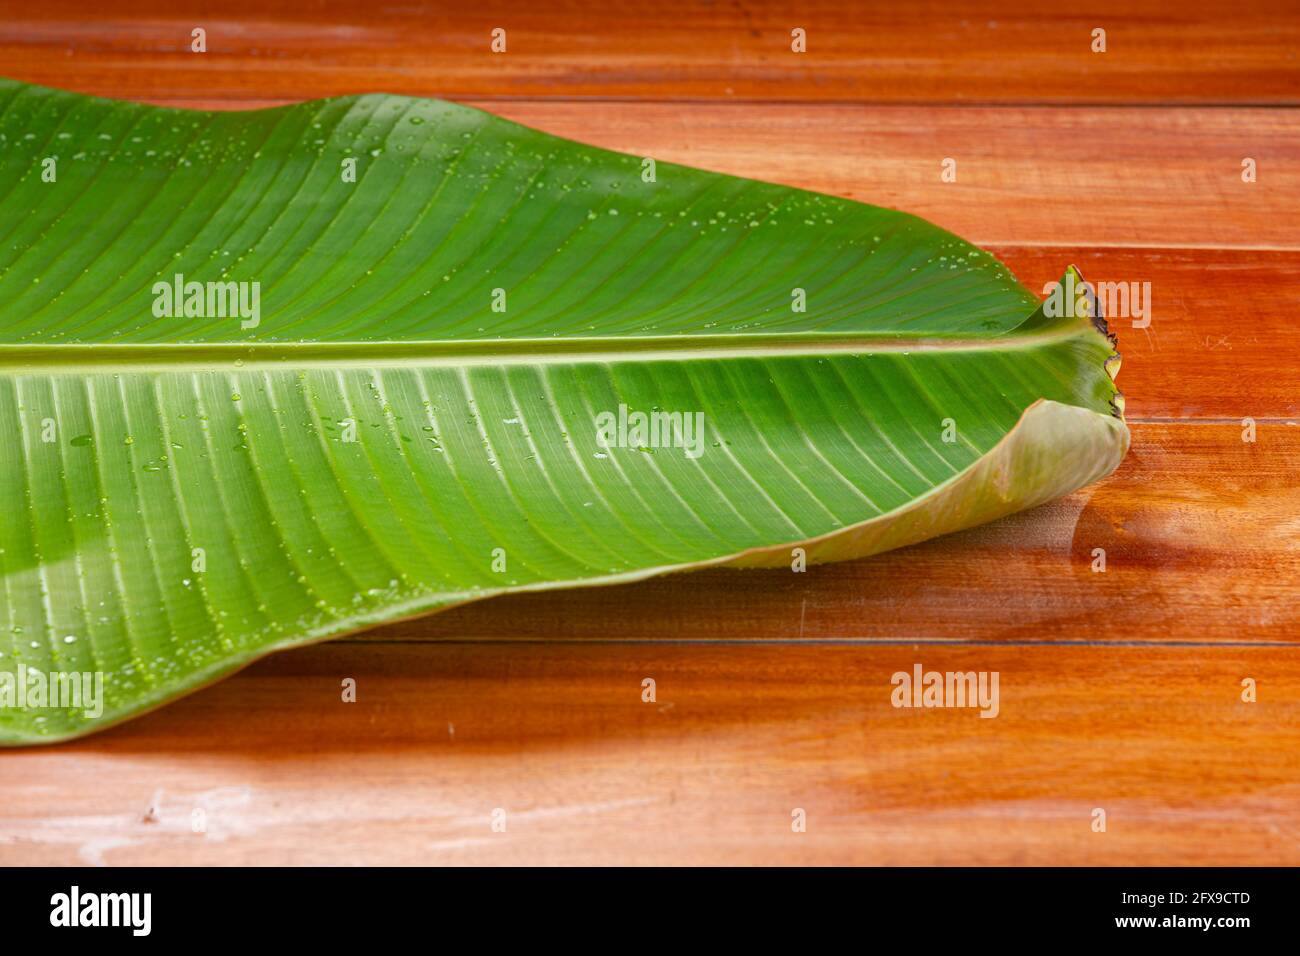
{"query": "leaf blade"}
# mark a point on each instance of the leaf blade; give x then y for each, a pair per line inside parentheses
(475, 430)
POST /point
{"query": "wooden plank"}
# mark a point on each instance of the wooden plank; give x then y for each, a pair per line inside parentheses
(738, 737)
(1219, 339)
(1118, 177)
(965, 50)
(1110, 178)
(1198, 527)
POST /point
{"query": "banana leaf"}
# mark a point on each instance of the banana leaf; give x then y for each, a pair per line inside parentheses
(269, 377)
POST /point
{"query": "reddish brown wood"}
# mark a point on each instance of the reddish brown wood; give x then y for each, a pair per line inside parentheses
(929, 51)
(1223, 342)
(1112, 178)
(1118, 177)
(738, 737)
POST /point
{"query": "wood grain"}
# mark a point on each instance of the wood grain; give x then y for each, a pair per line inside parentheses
(928, 51)
(1113, 178)
(1202, 541)
(1222, 342)
(1025, 176)
(738, 737)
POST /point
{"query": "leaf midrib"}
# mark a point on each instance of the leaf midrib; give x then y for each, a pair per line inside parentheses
(470, 352)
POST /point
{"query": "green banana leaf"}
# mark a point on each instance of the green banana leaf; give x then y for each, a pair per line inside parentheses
(477, 359)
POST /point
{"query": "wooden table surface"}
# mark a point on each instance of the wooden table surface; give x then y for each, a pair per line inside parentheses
(1120, 690)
